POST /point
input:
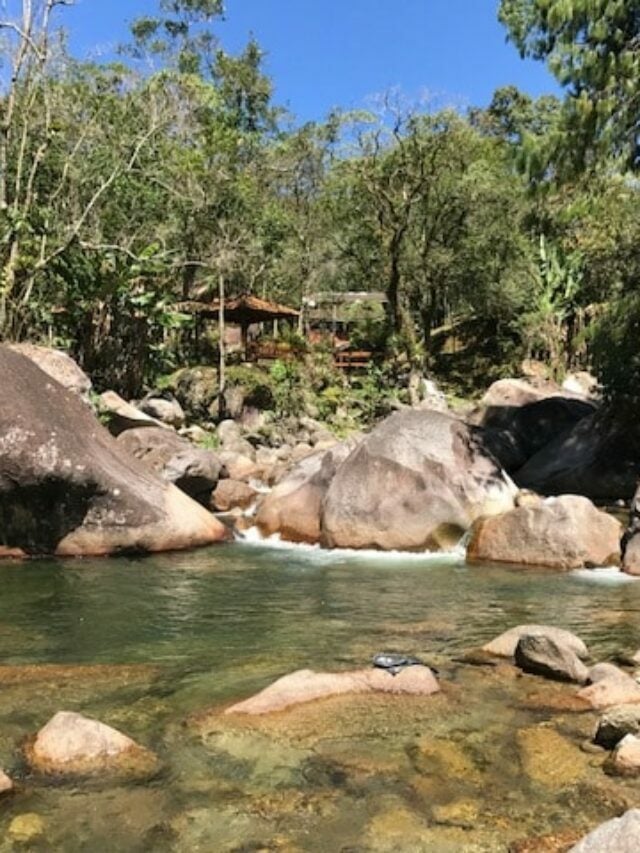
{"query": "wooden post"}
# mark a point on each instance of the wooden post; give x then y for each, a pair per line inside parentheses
(221, 348)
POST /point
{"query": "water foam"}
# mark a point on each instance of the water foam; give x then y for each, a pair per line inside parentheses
(609, 575)
(253, 538)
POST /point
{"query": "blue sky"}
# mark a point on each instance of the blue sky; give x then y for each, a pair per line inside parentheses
(327, 53)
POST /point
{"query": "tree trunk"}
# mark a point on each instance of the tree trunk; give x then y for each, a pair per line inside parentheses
(221, 349)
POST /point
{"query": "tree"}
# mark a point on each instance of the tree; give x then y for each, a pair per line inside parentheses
(593, 49)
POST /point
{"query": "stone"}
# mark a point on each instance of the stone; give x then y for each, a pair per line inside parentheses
(121, 415)
(416, 482)
(549, 759)
(619, 835)
(6, 784)
(562, 533)
(440, 758)
(66, 487)
(597, 458)
(233, 494)
(610, 686)
(617, 722)
(194, 470)
(464, 813)
(293, 509)
(196, 389)
(238, 466)
(58, 365)
(505, 644)
(307, 686)
(166, 409)
(581, 382)
(26, 828)
(625, 759)
(544, 656)
(70, 744)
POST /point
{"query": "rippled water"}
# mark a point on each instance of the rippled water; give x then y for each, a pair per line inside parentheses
(453, 772)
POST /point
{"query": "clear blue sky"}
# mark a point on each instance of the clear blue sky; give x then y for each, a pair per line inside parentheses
(327, 53)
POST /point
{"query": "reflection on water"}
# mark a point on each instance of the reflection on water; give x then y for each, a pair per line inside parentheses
(468, 770)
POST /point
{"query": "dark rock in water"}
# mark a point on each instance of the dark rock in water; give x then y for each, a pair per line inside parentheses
(544, 656)
(597, 458)
(394, 662)
(66, 487)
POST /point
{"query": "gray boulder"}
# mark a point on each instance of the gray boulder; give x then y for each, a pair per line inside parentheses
(619, 835)
(418, 481)
(67, 489)
(120, 415)
(543, 656)
(193, 469)
(58, 365)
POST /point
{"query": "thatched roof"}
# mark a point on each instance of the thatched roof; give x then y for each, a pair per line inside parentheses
(245, 309)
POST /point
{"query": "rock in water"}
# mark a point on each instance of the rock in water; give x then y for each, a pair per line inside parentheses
(505, 645)
(615, 723)
(546, 657)
(620, 835)
(71, 744)
(562, 533)
(416, 482)
(294, 507)
(610, 686)
(625, 759)
(66, 488)
(306, 686)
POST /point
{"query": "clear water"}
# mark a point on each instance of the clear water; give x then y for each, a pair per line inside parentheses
(158, 646)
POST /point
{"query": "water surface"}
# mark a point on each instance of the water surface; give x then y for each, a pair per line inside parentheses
(147, 645)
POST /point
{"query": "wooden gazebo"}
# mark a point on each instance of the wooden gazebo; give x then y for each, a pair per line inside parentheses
(244, 311)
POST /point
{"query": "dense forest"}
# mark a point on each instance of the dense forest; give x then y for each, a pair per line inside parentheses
(170, 174)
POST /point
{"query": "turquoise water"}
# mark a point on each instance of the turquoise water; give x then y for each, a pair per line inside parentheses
(148, 645)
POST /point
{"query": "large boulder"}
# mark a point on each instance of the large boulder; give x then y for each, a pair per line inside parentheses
(597, 458)
(70, 744)
(58, 365)
(619, 835)
(293, 508)
(193, 469)
(631, 539)
(67, 488)
(417, 481)
(562, 533)
(196, 389)
(120, 415)
(521, 419)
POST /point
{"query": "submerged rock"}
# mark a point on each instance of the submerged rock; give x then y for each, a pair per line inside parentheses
(625, 759)
(306, 686)
(67, 489)
(549, 759)
(6, 784)
(615, 723)
(545, 656)
(416, 482)
(70, 744)
(26, 828)
(619, 835)
(562, 533)
(610, 686)
(505, 644)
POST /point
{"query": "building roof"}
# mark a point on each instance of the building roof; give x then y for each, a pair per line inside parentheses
(240, 309)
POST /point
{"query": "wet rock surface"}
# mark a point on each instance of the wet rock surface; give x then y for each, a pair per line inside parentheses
(547, 657)
(619, 835)
(70, 744)
(505, 645)
(615, 723)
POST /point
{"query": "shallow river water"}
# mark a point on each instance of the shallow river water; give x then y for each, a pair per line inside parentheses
(157, 647)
